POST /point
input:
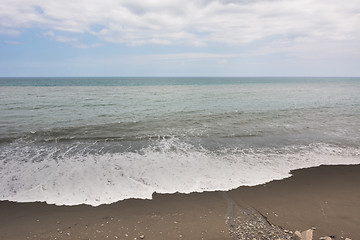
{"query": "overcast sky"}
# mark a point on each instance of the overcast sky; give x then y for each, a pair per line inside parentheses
(180, 38)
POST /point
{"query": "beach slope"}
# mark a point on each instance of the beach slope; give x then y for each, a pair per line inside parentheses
(326, 198)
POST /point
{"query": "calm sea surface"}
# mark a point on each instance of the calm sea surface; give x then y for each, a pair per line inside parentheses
(100, 140)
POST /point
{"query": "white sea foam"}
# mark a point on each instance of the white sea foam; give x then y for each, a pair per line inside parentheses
(167, 167)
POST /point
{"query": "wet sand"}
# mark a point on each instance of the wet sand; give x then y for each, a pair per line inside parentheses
(325, 197)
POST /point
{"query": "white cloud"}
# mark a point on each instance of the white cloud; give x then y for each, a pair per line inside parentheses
(84, 45)
(182, 57)
(75, 42)
(13, 42)
(9, 32)
(196, 23)
(58, 38)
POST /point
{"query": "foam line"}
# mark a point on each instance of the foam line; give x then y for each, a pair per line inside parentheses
(166, 167)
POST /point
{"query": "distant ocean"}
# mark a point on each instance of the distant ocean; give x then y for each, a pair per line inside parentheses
(100, 140)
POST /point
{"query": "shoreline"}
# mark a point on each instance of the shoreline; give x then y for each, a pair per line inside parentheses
(326, 198)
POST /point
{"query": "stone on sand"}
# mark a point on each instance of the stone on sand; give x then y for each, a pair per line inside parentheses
(325, 238)
(305, 235)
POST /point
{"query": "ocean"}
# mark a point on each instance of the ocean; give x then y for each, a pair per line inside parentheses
(70, 141)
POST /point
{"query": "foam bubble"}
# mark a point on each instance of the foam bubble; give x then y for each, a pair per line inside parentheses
(33, 173)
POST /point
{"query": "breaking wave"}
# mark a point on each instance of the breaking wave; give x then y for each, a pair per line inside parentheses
(77, 174)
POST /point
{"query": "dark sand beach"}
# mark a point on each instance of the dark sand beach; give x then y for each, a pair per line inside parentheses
(326, 198)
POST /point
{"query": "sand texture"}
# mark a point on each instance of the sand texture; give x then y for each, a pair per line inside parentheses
(326, 198)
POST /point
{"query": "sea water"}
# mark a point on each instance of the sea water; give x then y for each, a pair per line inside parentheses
(100, 140)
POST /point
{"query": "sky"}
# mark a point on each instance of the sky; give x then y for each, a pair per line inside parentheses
(179, 38)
